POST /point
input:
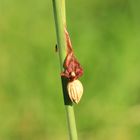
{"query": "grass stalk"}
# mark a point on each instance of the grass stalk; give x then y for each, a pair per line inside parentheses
(60, 23)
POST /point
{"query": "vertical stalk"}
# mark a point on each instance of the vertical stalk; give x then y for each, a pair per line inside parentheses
(60, 23)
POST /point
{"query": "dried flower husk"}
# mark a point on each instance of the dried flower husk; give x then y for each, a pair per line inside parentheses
(75, 91)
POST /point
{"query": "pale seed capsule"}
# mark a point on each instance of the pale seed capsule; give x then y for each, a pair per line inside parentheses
(75, 91)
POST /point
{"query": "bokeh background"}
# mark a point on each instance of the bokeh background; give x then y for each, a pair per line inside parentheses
(106, 40)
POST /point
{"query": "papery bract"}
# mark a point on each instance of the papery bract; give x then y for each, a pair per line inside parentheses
(72, 68)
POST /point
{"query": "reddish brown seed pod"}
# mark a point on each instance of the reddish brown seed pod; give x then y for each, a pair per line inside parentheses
(75, 91)
(72, 71)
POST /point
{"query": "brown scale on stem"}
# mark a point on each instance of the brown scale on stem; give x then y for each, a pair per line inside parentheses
(72, 68)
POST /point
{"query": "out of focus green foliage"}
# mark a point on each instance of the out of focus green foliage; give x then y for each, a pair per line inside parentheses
(106, 40)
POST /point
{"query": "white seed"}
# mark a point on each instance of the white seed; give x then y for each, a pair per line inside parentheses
(73, 74)
(75, 91)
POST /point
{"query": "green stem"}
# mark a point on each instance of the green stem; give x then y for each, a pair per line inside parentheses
(60, 23)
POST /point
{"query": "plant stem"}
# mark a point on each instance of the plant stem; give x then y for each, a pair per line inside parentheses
(60, 23)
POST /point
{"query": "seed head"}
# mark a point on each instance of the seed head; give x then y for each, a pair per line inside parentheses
(75, 91)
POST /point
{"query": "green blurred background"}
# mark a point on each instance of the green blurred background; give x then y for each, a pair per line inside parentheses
(106, 39)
